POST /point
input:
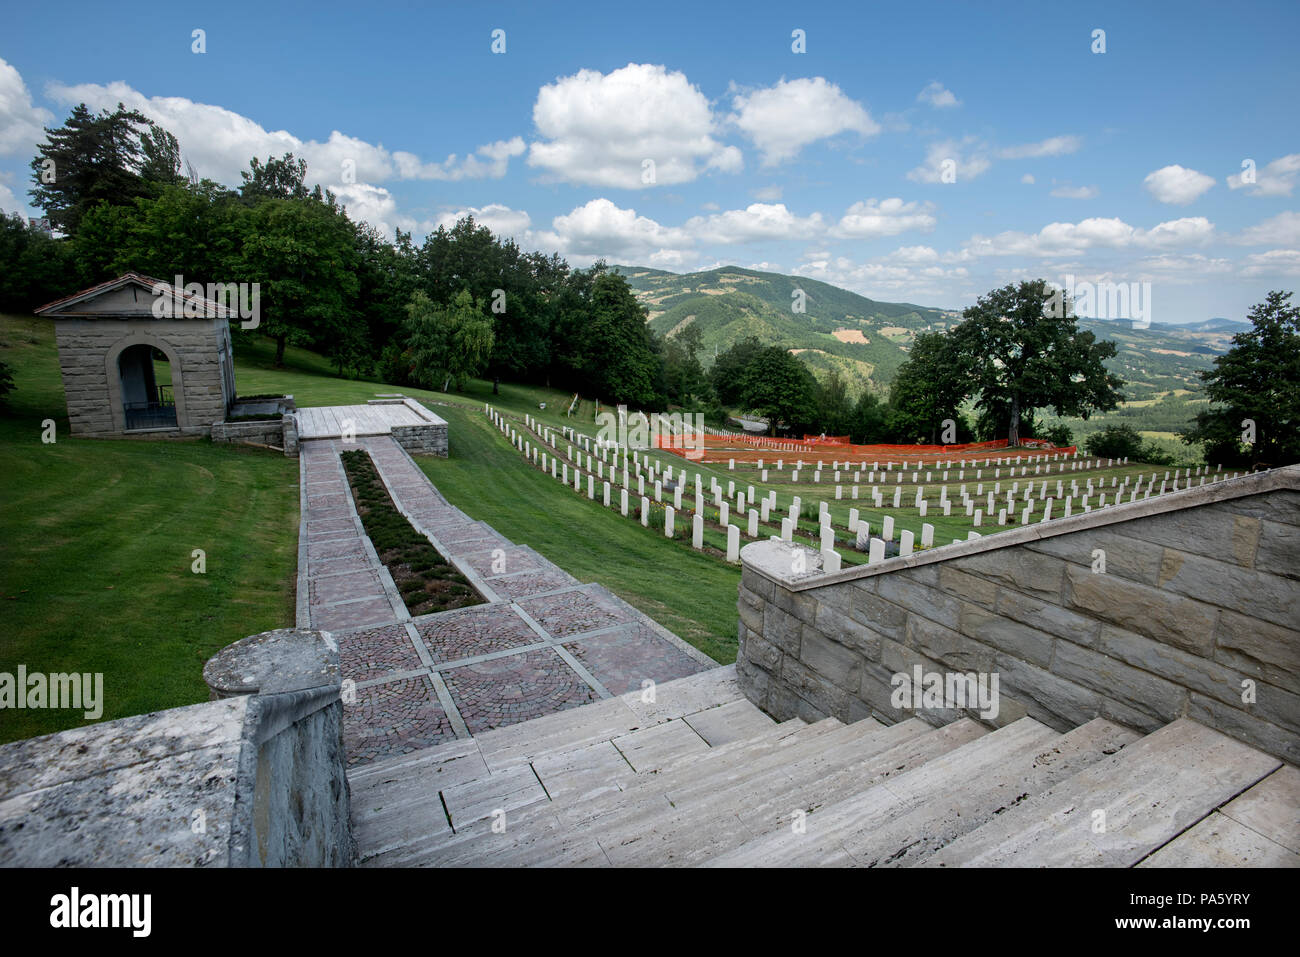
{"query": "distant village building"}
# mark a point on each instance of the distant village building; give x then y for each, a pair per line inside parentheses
(128, 371)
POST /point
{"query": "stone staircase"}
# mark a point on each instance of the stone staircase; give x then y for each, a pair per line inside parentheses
(700, 776)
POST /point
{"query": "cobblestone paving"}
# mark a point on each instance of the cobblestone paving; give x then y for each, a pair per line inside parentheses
(493, 694)
(573, 612)
(621, 660)
(394, 718)
(368, 654)
(357, 584)
(347, 591)
(471, 632)
(490, 562)
(530, 583)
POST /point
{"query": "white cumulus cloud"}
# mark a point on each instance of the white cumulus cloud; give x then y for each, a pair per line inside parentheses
(966, 158)
(1280, 230)
(783, 119)
(22, 124)
(1068, 239)
(1177, 185)
(600, 229)
(220, 142)
(500, 219)
(757, 221)
(601, 129)
(889, 217)
(1276, 179)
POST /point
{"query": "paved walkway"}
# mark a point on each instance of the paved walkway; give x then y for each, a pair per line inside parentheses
(542, 642)
(377, 418)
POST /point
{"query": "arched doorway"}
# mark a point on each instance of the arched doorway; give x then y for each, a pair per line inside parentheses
(147, 398)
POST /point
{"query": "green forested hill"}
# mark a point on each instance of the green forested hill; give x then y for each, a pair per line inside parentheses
(864, 339)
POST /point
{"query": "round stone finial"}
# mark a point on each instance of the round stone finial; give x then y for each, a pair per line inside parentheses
(286, 659)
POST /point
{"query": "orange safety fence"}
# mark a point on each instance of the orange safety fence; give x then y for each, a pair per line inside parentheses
(696, 447)
(827, 439)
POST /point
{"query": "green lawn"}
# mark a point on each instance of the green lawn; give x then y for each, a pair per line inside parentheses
(96, 539)
(691, 594)
(96, 536)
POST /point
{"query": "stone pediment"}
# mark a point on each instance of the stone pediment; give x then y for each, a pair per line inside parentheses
(136, 296)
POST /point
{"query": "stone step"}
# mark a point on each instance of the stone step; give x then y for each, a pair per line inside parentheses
(875, 803)
(604, 720)
(425, 849)
(428, 769)
(649, 749)
(569, 756)
(737, 720)
(390, 828)
(1259, 828)
(506, 790)
(690, 695)
(700, 825)
(709, 771)
(961, 805)
(551, 844)
(553, 837)
(733, 753)
(1150, 792)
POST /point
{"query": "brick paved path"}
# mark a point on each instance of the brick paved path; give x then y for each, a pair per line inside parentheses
(543, 642)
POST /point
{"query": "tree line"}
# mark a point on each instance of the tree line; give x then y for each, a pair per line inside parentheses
(461, 303)
(466, 303)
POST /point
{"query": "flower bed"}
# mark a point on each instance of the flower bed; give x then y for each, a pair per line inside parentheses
(427, 582)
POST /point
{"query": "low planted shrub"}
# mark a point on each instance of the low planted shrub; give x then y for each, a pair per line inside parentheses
(426, 581)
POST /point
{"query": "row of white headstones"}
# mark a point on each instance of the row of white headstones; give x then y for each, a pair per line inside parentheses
(600, 455)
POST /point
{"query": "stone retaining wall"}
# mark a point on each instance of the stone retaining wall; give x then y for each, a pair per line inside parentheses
(427, 439)
(1197, 606)
(261, 431)
(430, 439)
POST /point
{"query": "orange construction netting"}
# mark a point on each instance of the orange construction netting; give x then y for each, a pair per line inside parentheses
(714, 447)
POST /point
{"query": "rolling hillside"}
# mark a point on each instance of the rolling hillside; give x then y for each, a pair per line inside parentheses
(864, 339)
(867, 340)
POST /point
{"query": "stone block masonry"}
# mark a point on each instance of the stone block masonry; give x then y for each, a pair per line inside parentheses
(1187, 605)
(430, 439)
(88, 353)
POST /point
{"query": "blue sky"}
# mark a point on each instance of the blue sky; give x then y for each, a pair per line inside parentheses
(1122, 166)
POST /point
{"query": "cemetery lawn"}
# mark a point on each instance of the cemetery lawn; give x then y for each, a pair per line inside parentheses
(96, 538)
(693, 595)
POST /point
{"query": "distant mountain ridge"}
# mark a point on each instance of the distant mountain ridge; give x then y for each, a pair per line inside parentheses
(866, 339)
